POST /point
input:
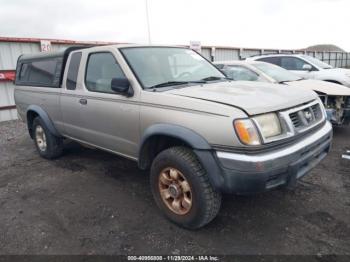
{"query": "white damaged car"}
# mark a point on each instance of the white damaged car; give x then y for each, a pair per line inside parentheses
(335, 97)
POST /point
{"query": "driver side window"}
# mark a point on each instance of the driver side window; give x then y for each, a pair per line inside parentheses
(101, 69)
(293, 63)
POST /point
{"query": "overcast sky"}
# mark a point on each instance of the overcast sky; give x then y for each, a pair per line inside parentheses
(284, 24)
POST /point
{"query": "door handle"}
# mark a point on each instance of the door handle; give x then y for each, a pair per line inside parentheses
(83, 101)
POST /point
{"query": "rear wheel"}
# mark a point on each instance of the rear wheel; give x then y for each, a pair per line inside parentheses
(182, 190)
(48, 145)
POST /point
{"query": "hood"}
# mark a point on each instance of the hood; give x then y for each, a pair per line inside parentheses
(252, 97)
(322, 87)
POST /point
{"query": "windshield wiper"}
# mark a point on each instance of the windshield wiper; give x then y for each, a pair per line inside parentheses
(173, 83)
(284, 81)
(202, 81)
(213, 78)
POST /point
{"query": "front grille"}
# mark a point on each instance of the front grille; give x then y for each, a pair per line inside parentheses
(306, 117)
(295, 119)
(317, 111)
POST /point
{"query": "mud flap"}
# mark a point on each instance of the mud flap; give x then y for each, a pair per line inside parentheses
(292, 177)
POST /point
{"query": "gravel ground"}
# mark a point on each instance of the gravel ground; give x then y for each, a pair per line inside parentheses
(91, 202)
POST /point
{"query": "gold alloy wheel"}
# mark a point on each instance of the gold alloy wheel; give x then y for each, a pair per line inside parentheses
(40, 138)
(175, 191)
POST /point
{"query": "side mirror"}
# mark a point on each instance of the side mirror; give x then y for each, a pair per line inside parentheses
(307, 67)
(121, 86)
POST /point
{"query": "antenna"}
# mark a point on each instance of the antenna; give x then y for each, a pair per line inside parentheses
(148, 25)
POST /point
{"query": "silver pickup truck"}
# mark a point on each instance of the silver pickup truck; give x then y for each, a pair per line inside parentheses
(173, 112)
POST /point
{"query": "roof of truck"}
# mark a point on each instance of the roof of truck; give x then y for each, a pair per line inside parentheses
(50, 54)
(41, 55)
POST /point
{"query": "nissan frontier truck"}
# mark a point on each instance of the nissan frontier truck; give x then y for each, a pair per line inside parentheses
(199, 134)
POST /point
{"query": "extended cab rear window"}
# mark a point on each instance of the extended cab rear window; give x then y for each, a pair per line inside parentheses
(73, 71)
(43, 72)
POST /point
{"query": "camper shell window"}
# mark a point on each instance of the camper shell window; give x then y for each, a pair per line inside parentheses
(43, 69)
(40, 72)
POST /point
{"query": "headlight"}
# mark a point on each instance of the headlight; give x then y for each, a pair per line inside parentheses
(248, 129)
(247, 132)
(323, 107)
(269, 125)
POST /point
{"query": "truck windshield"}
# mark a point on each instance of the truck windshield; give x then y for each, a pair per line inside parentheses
(169, 66)
(277, 73)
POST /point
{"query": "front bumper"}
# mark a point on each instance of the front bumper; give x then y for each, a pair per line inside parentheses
(245, 173)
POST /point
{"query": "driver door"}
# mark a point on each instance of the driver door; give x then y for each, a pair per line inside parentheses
(107, 119)
(111, 119)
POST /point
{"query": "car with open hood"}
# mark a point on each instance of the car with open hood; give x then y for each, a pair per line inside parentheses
(335, 97)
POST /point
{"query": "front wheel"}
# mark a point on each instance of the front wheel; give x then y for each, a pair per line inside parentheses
(182, 190)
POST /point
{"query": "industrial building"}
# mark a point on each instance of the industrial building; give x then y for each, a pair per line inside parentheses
(11, 48)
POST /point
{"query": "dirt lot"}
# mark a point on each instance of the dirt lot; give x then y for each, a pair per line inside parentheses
(91, 202)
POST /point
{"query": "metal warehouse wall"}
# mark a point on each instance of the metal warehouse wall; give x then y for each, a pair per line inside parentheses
(336, 59)
(11, 48)
(6, 101)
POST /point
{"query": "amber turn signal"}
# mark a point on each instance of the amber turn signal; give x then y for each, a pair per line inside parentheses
(247, 132)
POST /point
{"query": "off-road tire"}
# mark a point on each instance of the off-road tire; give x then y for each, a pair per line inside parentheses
(54, 144)
(206, 201)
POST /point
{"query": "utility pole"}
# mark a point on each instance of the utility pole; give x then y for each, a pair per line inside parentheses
(148, 25)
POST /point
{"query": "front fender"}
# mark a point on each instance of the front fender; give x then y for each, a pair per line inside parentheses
(199, 145)
(189, 136)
